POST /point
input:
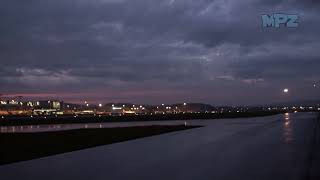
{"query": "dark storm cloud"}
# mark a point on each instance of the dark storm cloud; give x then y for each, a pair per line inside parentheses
(174, 44)
(277, 68)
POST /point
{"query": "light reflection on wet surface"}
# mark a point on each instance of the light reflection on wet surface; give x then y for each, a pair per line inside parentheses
(61, 127)
(286, 135)
(287, 129)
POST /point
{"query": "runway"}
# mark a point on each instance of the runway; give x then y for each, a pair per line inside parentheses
(276, 147)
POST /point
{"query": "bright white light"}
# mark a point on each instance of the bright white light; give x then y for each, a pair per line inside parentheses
(100, 105)
(184, 104)
(285, 90)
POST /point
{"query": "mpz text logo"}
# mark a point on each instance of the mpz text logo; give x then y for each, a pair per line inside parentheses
(275, 20)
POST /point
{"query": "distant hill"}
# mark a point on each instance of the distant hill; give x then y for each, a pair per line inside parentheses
(297, 103)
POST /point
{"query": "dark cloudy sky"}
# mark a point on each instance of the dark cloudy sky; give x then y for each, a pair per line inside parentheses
(158, 51)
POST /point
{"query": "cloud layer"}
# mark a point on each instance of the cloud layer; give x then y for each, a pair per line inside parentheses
(154, 51)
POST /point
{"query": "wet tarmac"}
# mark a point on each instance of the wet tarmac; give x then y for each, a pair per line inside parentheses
(276, 147)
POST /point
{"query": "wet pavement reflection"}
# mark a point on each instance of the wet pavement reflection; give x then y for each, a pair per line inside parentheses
(62, 127)
(287, 129)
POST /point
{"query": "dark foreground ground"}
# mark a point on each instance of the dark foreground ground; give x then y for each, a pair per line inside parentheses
(280, 147)
(25, 146)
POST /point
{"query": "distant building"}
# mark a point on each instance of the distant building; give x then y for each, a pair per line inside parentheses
(49, 107)
(48, 104)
